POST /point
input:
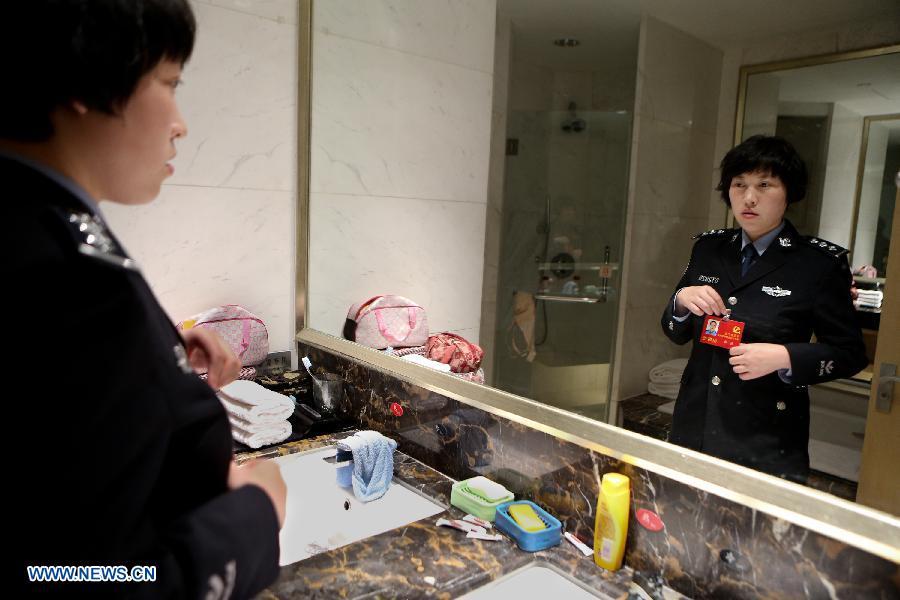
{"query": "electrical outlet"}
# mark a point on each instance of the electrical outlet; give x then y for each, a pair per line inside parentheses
(275, 363)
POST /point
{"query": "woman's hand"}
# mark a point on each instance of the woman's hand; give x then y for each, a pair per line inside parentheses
(206, 350)
(700, 300)
(750, 361)
(265, 474)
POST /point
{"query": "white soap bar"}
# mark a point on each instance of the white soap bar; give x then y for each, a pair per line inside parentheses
(486, 488)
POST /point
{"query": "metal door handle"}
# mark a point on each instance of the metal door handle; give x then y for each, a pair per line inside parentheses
(887, 377)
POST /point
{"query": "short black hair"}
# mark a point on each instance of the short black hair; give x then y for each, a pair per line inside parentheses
(92, 51)
(767, 153)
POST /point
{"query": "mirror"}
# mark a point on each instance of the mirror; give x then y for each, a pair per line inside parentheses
(494, 178)
(840, 112)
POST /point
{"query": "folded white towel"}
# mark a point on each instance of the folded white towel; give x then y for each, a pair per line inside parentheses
(427, 362)
(254, 403)
(669, 371)
(666, 390)
(261, 435)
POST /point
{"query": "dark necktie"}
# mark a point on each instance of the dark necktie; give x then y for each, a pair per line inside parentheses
(748, 257)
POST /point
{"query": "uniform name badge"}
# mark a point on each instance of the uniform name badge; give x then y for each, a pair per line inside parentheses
(721, 332)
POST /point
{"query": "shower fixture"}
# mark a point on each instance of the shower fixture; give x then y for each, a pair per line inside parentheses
(574, 123)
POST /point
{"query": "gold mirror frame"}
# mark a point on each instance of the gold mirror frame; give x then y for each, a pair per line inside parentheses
(870, 530)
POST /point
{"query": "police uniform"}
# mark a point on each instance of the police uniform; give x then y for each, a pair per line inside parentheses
(120, 452)
(800, 286)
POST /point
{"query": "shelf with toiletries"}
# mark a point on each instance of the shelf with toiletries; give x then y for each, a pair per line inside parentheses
(575, 282)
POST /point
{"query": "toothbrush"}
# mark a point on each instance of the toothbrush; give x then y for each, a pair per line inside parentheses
(308, 364)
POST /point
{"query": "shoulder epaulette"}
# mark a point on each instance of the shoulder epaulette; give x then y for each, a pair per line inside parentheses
(825, 246)
(712, 233)
(93, 239)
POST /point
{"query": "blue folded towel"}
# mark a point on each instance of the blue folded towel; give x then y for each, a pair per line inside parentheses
(373, 463)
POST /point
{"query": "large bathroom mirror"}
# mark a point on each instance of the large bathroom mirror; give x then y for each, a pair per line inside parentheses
(841, 113)
(531, 174)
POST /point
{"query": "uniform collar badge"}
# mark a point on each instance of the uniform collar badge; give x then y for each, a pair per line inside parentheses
(785, 242)
(776, 291)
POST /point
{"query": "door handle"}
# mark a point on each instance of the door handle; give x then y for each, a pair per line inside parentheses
(887, 377)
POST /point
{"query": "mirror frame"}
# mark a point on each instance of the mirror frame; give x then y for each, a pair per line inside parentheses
(873, 531)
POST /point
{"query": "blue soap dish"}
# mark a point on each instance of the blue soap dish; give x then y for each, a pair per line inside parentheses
(530, 541)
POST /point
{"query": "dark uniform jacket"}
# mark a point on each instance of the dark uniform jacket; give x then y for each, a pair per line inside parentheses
(120, 453)
(800, 286)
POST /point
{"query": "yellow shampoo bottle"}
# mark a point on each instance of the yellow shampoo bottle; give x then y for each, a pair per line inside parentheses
(611, 525)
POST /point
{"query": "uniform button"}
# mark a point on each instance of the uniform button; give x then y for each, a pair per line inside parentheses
(716, 380)
(781, 405)
(732, 300)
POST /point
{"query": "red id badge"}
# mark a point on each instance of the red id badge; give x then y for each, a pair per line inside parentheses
(720, 332)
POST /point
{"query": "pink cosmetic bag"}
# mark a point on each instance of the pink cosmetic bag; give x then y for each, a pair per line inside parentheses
(385, 321)
(244, 332)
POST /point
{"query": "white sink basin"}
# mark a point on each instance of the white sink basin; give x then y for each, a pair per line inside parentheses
(534, 581)
(316, 518)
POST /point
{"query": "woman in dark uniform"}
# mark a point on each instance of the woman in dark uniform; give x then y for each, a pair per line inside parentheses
(749, 403)
(121, 454)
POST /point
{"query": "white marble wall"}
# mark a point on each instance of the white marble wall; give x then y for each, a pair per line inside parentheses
(870, 195)
(401, 123)
(496, 176)
(671, 154)
(222, 230)
(842, 165)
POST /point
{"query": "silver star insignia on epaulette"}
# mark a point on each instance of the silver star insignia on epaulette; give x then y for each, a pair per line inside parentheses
(785, 242)
(94, 230)
(832, 248)
(814, 241)
(822, 244)
(97, 242)
(720, 231)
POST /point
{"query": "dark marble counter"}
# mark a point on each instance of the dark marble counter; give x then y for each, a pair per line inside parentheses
(421, 560)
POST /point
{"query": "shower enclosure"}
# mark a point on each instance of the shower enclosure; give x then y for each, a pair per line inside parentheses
(565, 188)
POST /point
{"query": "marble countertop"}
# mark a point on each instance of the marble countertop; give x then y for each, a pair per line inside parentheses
(421, 560)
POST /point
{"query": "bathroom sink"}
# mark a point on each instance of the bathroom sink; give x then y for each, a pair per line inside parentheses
(322, 516)
(535, 581)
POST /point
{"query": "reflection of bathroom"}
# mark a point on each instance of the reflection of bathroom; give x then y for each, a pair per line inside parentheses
(565, 173)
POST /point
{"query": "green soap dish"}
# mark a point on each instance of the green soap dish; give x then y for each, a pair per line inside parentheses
(463, 499)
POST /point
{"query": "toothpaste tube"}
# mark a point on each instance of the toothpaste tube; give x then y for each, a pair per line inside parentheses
(461, 525)
(484, 536)
(477, 521)
(578, 544)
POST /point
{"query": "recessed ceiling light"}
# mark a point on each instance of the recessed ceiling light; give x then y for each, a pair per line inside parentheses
(566, 42)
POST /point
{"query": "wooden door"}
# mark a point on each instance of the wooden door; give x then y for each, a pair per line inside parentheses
(879, 474)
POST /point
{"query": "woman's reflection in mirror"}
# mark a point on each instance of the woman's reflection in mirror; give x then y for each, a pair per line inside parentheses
(748, 403)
